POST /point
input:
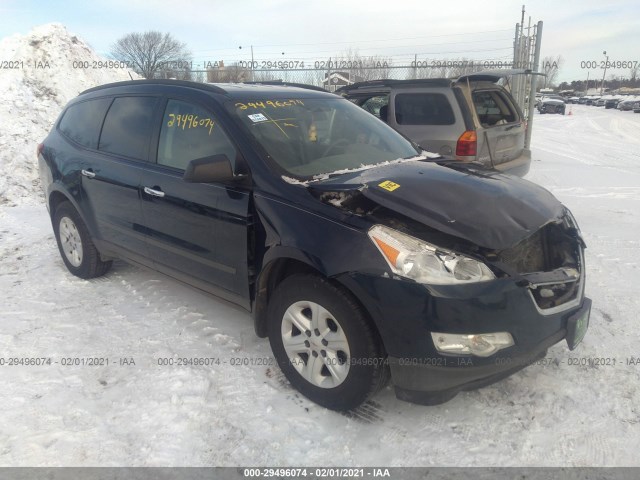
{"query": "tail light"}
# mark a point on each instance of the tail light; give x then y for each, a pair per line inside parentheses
(467, 144)
(39, 149)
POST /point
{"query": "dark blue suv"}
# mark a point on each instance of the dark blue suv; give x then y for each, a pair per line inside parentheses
(359, 255)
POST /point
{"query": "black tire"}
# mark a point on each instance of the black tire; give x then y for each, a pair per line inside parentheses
(367, 370)
(88, 263)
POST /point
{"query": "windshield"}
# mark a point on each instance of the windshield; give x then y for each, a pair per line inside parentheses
(311, 137)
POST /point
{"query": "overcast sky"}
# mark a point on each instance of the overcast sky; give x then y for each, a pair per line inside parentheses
(289, 30)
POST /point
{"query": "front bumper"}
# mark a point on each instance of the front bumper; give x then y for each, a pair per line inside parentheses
(406, 313)
(434, 384)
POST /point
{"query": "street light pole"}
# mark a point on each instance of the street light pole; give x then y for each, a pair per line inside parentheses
(606, 64)
(240, 47)
(586, 89)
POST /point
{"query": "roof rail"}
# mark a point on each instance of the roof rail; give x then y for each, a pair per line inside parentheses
(288, 84)
(182, 83)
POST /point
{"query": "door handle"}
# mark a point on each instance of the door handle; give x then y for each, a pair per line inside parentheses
(153, 193)
(88, 173)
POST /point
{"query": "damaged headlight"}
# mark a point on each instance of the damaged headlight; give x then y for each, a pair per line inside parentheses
(425, 263)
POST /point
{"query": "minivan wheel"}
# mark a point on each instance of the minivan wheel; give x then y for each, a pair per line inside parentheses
(74, 242)
(324, 343)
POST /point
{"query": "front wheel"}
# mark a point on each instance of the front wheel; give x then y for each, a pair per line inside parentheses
(74, 242)
(324, 343)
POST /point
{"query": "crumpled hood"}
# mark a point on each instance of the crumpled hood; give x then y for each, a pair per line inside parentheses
(488, 208)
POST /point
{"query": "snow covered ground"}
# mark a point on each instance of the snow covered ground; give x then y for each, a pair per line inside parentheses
(552, 414)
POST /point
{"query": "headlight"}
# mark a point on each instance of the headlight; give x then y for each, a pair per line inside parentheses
(415, 259)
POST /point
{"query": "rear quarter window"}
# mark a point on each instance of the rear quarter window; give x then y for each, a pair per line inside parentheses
(127, 127)
(81, 122)
(423, 109)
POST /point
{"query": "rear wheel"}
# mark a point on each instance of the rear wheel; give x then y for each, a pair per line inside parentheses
(74, 242)
(324, 343)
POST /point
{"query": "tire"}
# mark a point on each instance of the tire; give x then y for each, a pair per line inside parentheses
(75, 245)
(306, 311)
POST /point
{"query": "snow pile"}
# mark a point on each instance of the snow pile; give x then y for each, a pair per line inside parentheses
(43, 70)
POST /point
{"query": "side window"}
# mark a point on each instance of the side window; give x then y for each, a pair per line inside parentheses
(423, 109)
(493, 108)
(377, 106)
(127, 128)
(82, 121)
(190, 132)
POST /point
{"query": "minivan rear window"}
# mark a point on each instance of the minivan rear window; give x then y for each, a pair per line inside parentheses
(127, 128)
(82, 121)
(423, 109)
(493, 108)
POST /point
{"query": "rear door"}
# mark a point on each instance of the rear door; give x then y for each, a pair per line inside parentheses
(110, 173)
(502, 131)
(196, 232)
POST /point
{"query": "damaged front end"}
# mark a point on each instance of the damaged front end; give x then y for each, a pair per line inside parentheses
(482, 272)
(550, 263)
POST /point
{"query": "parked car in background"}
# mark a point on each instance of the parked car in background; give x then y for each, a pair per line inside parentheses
(573, 100)
(469, 119)
(550, 96)
(636, 107)
(611, 103)
(551, 105)
(583, 100)
(592, 100)
(359, 257)
(600, 102)
(627, 103)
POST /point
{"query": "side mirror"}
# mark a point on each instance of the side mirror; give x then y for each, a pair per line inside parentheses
(216, 168)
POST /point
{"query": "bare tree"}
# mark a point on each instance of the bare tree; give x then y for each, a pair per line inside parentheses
(633, 73)
(551, 67)
(152, 54)
(444, 69)
(362, 68)
(233, 73)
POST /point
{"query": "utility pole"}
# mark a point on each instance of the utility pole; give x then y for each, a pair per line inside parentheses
(532, 92)
(586, 89)
(606, 64)
(240, 47)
